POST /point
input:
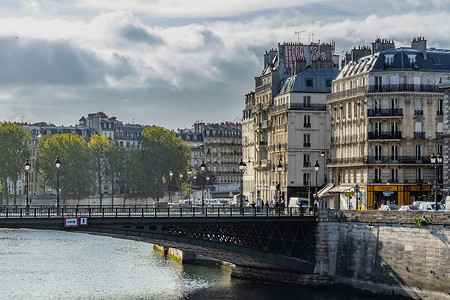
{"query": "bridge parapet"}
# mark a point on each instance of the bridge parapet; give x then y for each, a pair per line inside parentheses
(390, 217)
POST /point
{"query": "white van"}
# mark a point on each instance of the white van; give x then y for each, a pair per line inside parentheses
(295, 202)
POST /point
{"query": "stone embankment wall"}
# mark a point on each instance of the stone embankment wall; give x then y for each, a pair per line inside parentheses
(385, 252)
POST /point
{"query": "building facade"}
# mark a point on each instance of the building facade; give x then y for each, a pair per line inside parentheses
(219, 146)
(271, 127)
(386, 121)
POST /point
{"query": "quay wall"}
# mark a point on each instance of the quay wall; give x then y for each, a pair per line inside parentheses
(385, 252)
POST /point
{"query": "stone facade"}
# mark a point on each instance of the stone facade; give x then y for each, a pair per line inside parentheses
(386, 121)
(391, 256)
(284, 121)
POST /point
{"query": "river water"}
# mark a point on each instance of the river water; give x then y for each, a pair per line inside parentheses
(37, 264)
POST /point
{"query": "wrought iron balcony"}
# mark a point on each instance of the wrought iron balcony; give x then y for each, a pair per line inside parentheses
(386, 88)
(307, 145)
(380, 160)
(386, 112)
(384, 135)
(419, 135)
(418, 112)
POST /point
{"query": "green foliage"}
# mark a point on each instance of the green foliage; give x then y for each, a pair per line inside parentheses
(99, 145)
(162, 152)
(76, 174)
(420, 221)
(14, 151)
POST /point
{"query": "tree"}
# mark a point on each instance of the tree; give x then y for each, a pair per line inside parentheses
(14, 150)
(76, 174)
(162, 152)
(99, 145)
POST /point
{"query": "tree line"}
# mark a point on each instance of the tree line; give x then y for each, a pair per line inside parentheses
(137, 172)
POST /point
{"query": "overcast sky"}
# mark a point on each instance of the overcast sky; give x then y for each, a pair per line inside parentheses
(173, 62)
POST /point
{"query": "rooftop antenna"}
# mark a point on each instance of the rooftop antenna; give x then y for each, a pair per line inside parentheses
(312, 37)
(298, 35)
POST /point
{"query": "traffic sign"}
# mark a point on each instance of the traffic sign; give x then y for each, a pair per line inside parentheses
(70, 222)
(83, 221)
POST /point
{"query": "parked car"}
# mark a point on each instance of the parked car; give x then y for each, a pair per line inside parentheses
(390, 207)
(409, 207)
(430, 206)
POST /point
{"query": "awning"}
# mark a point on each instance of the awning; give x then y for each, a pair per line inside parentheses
(325, 189)
(341, 189)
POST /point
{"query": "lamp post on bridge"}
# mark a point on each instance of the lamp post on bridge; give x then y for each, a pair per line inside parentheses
(203, 169)
(181, 185)
(58, 166)
(189, 172)
(27, 169)
(436, 161)
(316, 168)
(170, 186)
(278, 186)
(242, 166)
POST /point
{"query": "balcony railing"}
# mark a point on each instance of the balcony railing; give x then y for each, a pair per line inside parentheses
(418, 112)
(385, 112)
(307, 145)
(419, 135)
(307, 165)
(439, 135)
(307, 125)
(380, 160)
(386, 88)
(384, 135)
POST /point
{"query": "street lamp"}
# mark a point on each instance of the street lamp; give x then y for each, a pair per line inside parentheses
(208, 192)
(322, 154)
(181, 185)
(436, 161)
(189, 172)
(242, 166)
(316, 168)
(279, 169)
(58, 166)
(203, 168)
(27, 169)
(170, 186)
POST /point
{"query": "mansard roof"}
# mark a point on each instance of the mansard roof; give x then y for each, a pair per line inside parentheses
(311, 80)
(434, 60)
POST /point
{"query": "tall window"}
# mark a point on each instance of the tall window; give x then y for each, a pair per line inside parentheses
(394, 152)
(394, 103)
(377, 175)
(376, 127)
(418, 106)
(394, 175)
(306, 180)
(306, 160)
(419, 175)
(307, 121)
(440, 107)
(307, 101)
(307, 140)
(419, 152)
(377, 152)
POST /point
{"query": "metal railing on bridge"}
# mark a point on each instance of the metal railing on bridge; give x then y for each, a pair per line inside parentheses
(149, 211)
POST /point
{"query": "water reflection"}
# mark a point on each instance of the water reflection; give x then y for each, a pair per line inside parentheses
(62, 265)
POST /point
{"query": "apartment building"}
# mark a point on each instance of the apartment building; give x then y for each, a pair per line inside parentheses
(219, 146)
(270, 125)
(386, 122)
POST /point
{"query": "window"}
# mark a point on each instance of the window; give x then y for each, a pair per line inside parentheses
(328, 82)
(309, 82)
(306, 179)
(412, 59)
(306, 160)
(419, 151)
(377, 152)
(440, 107)
(377, 104)
(389, 60)
(307, 101)
(307, 140)
(394, 152)
(394, 103)
(377, 175)
(376, 127)
(436, 60)
(307, 121)
(394, 175)
(419, 175)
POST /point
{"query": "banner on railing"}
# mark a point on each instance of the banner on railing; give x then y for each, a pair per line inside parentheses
(75, 222)
(70, 222)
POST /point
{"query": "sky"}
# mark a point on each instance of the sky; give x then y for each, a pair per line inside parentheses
(174, 62)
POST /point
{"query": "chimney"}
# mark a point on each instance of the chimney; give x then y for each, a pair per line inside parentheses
(382, 44)
(420, 44)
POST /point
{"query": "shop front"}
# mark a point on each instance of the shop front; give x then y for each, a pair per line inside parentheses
(378, 195)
